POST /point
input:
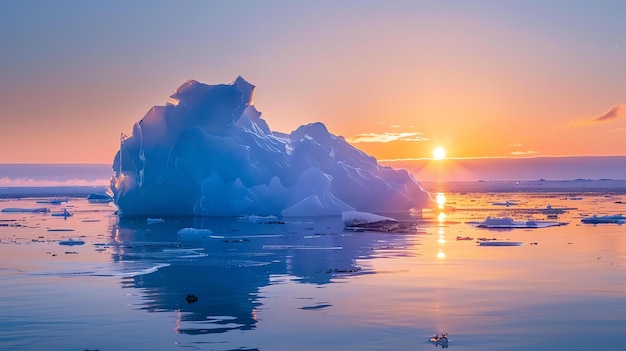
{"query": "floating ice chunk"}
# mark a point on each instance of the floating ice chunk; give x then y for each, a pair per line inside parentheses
(26, 210)
(53, 201)
(256, 218)
(360, 221)
(99, 197)
(71, 242)
(300, 247)
(440, 340)
(500, 243)
(209, 152)
(356, 218)
(508, 222)
(65, 213)
(194, 233)
(154, 220)
(506, 203)
(595, 219)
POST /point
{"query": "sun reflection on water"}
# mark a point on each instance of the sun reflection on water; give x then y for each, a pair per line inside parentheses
(441, 200)
(441, 240)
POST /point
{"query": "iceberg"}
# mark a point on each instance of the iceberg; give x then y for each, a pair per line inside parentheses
(208, 152)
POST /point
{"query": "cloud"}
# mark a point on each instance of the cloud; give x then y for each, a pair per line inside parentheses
(614, 113)
(26, 182)
(521, 153)
(385, 137)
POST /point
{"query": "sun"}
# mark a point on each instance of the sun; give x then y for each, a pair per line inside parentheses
(439, 153)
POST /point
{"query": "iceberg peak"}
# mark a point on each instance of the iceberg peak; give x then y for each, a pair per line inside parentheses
(209, 152)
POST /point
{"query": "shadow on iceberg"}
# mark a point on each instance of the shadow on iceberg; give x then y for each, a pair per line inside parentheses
(208, 152)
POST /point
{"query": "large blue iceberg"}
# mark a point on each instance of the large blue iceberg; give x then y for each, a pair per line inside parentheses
(208, 152)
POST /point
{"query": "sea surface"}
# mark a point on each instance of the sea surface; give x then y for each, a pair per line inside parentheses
(94, 281)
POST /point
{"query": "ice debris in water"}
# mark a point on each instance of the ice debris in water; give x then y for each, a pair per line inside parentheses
(208, 152)
(440, 340)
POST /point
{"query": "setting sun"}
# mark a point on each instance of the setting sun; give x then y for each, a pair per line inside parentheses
(439, 153)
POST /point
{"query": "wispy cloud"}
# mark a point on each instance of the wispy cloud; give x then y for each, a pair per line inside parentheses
(617, 130)
(386, 137)
(613, 114)
(523, 153)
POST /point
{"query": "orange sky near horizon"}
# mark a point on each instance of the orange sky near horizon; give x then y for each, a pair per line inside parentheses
(396, 79)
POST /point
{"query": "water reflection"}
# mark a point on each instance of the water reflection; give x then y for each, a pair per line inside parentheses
(441, 200)
(227, 267)
(441, 240)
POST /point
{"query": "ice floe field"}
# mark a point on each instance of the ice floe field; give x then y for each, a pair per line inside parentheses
(93, 281)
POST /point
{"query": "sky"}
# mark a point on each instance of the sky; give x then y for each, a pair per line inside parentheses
(395, 78)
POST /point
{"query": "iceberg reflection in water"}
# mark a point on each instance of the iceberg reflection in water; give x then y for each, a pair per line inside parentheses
(226, 267)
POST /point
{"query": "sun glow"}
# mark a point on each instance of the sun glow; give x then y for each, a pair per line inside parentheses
(439, 153)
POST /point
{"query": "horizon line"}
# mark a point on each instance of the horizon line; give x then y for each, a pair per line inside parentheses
(378, 160)
(491, 157)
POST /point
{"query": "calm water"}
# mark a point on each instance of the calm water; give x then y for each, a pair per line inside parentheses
(306, 284)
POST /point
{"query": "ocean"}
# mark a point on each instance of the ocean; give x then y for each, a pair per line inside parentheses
(95, 281)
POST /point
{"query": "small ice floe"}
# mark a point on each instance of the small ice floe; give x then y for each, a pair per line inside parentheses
(550, 210)
(316, 307)
(365, 221)
(460, 238)
(99, 197)
(194, 233)
(595, 219)
(155, 220)
(262, 219)
(53, 201)
(300, 247)
(65, 213)
(440, 340)
(26, 210)
(500, 243)
(507, 203)
(509, 223)
(71, 242)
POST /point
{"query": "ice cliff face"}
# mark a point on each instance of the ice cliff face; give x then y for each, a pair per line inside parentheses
(208, 152)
